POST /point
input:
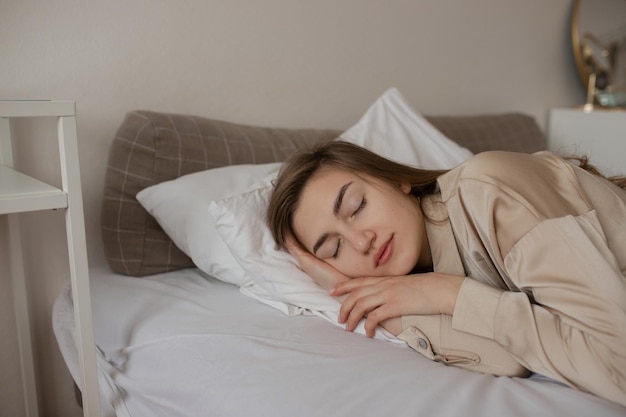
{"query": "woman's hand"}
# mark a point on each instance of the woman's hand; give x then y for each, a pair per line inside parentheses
(329, 278)
(383, 298)
(322, 273)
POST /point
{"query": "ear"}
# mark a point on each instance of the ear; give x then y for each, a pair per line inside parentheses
(405, 187)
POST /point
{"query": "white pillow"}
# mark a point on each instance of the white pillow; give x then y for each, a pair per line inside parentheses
(240, 219)
(180, 207)
(391, 128)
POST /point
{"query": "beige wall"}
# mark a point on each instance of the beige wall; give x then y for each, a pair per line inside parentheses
(285, 63)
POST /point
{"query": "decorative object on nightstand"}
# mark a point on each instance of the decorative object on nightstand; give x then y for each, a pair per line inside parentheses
(20, 193)
(599, 45)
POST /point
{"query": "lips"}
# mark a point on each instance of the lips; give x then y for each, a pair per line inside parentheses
(384, 252)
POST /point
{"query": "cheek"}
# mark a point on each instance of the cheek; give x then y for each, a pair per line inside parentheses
(347, 265)
(408, 210)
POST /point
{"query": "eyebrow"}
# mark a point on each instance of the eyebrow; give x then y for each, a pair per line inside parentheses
(338, 200)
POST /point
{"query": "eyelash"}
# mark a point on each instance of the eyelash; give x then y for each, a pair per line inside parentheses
(357, 211)
(361, 207)
(337, 250)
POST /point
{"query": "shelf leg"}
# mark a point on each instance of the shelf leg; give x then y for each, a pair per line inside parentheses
(22, 318)
(20, 291)
(79, 271)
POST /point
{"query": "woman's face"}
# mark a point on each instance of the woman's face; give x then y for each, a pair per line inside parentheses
(360, 225)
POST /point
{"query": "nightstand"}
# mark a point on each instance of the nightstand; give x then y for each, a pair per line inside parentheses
(20, 193)
(600, 134)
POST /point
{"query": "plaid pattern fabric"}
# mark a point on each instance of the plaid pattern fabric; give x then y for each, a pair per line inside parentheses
(507, 132)
(151, 147)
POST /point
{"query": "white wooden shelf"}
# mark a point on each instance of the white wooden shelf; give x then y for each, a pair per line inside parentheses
(36, 108)
(21, 193)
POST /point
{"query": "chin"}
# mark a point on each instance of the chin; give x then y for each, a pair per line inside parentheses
(407, 266)
(395, 272)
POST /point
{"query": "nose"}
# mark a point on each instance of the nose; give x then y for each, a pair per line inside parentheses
(361, 240)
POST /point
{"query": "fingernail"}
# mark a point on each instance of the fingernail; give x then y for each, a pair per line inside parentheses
(331, 291)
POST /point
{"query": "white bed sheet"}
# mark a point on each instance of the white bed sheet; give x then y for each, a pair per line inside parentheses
(185, 344)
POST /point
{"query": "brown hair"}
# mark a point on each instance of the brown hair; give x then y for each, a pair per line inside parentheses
(583, 162)
(297, 171)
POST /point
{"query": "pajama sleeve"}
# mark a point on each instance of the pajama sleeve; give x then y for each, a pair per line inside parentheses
(568, 321)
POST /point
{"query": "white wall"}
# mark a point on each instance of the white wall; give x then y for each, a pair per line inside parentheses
(284, 63)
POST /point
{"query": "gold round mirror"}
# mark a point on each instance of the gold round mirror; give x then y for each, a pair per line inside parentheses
(599, 42)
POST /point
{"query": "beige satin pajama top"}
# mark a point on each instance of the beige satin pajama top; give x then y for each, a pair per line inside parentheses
(543, 244)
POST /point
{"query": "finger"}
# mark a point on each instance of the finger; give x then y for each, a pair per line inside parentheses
(354, 284)
(370, 327)
(362, 308)
(292, 246)
(321, 272)
(346, 306)
(305, 260)
(375, 318)
(349, 303)
(358, 305)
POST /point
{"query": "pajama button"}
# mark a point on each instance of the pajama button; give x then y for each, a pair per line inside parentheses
(422, 343)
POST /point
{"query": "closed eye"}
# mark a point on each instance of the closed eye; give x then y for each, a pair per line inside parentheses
(361, 207)
(357, 211)
(336, 254)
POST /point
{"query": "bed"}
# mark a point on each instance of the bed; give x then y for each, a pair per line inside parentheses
(188, 323)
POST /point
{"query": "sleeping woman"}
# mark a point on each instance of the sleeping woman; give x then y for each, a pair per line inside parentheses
(509, 263)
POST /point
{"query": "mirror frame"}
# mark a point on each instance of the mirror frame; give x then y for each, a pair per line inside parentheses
(583, 74)
(601, 91)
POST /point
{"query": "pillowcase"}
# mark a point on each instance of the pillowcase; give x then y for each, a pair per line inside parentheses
(180, 206)
(391, 128)
(240, 220)
(276, 278)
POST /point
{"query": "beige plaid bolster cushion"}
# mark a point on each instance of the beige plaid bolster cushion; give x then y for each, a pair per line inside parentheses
(151, 147)
(514, 132)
